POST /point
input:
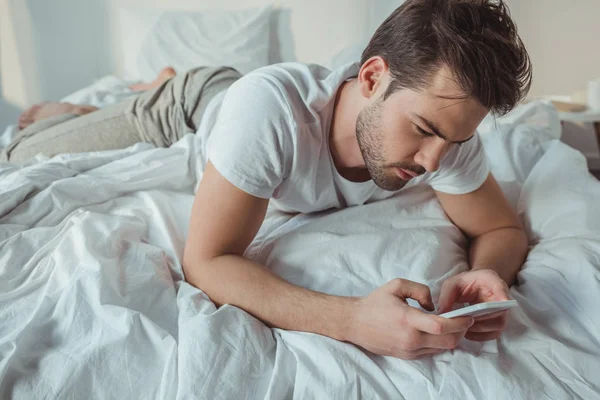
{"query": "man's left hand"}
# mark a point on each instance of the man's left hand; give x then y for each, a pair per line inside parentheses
(473, 287)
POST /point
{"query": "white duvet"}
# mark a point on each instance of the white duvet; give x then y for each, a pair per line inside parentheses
(92, 302)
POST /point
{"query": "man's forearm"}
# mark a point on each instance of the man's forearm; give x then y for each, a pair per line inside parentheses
(503, 250)
(235, 280)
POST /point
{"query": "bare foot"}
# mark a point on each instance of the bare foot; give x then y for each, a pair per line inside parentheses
(26, 118)
(49, 109)
(164, 75)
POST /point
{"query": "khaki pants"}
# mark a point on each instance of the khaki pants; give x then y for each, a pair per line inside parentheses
(160, 116)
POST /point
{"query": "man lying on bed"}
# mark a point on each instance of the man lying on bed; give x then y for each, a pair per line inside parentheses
(304, 139)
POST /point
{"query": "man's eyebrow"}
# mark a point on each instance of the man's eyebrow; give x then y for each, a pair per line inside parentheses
(437, 132)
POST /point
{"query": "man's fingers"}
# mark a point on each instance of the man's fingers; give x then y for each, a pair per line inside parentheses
(412, 290)
(503, 313)
(436, 325)
(502, 290)
(483, 336)
(448, 294)
(500, 294)
(446, 342)
(489, 325)
(471, 287)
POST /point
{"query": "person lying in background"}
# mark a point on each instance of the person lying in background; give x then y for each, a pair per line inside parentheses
(303, 138)
(48, 109)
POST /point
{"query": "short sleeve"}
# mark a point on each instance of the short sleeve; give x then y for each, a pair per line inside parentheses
(250, 143)
(463, 170)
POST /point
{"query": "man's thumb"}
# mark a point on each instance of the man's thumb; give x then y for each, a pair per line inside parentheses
(408, 289)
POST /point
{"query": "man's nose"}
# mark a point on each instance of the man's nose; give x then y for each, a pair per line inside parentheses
(430, 154)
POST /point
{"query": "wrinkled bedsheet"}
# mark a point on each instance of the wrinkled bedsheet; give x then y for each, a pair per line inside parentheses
(93, 304)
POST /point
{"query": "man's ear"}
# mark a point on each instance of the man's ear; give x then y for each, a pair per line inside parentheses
(373, 77)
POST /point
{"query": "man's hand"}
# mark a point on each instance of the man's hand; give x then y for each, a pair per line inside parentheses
(384, 324)
(498, 241)
(224, 222)
(473, 287)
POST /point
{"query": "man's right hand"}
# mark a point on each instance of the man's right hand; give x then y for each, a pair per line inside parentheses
(385, 324)
(224, 222)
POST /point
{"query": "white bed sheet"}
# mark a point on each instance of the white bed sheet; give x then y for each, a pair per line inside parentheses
(92, 299)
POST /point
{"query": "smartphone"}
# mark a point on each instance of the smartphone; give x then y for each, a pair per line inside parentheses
(477, 310)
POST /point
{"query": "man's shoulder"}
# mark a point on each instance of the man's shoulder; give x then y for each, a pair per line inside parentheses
(291, 70)
(290, 87)
(287, 77)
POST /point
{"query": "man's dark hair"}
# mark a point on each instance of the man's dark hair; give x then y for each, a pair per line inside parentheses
(476, 39)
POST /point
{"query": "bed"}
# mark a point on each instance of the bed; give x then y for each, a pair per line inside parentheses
(93, 303)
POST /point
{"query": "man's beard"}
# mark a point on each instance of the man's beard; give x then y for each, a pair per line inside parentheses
(370, 142)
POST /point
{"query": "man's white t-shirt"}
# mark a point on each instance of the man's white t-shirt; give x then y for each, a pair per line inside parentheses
(268, 135)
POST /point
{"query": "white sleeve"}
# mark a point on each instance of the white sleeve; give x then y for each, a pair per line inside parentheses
(463, 170)
(250, 144)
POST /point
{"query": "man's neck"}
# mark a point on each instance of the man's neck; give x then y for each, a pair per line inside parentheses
(343, 143)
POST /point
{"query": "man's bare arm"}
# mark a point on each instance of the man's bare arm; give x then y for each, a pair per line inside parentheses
(225, 220)
(498, 241)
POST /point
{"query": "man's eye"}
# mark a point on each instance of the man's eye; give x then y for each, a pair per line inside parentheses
(424, 132)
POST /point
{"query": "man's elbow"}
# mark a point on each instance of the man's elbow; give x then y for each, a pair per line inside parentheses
(193, 266)
(519, 242)
(194, 272)
(523, 240)
(512, 236)
(520, 235)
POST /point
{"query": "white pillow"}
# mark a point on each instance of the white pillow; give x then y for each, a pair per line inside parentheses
(153, 39)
